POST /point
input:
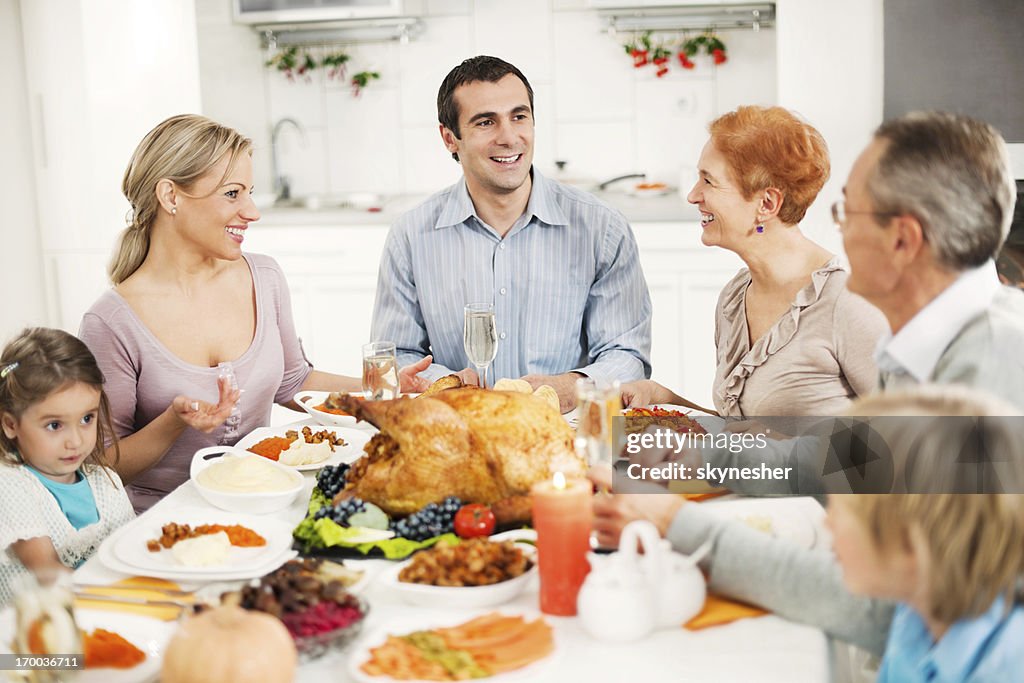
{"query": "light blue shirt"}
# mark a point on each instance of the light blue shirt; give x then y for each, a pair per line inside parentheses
(986, 649)
(916, 349)
(568, 290)
(75, 500)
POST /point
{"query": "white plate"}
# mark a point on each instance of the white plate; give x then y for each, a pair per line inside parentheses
(132, 538)
(455, 596)
(147, 634)
(131, 548)
(637, 191)
(308, 399)
(354, 440)
(377, 637)
(786, 522)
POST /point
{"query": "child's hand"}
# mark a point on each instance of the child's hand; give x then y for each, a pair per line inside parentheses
(204, 416)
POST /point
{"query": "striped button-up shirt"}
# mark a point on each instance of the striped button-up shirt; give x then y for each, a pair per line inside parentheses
(568, 290)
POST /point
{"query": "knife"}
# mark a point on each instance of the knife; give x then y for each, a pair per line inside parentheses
(128, 600)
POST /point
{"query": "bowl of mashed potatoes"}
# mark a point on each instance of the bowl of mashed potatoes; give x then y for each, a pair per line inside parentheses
(240, 481)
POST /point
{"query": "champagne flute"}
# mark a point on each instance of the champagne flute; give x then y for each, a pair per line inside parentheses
(380, 371)
(480, 338)
(598, 403)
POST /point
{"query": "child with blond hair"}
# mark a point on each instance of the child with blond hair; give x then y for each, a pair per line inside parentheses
(58, 497)
(954, 563)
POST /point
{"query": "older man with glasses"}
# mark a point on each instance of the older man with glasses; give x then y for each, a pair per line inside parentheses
(926, 207)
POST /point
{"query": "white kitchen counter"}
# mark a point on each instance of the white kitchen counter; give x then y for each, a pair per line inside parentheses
(637, 209)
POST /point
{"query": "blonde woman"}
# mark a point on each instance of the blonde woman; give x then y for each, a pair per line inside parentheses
(192, 321)
(790, 339)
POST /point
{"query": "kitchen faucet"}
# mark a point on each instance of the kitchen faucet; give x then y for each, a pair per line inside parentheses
(604, 186)
(282, 188)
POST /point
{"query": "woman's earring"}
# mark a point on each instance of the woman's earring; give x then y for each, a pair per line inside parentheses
(174, 211)
(760, 229)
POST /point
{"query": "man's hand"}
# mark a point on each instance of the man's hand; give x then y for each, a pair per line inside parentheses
(469, 377)
(409, 379)
(564, 385)
(612, 512)
(203, 416)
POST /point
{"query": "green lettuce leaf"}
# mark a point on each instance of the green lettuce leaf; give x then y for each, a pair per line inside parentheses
(325, 533)
(318, 500)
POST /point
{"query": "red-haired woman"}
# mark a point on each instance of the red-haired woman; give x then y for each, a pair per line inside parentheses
(791, 340)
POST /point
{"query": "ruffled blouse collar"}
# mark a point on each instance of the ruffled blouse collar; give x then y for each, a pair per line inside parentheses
(780, 334)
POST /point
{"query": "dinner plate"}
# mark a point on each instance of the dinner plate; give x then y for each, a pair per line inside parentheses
(426, 621)
(354, 440)
(785, 522)
(131, 548)
(130, 542)
(148, 634)
(309, 399)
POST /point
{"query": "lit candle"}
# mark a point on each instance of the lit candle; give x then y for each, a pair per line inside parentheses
(562, 516)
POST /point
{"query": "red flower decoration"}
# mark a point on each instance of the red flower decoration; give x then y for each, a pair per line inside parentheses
(684, 61)
(662, 63)
(639, 58)
(719, 56)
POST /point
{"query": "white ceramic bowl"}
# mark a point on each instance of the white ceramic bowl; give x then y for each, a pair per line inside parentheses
(309, 399)
(250, 503)
(458, 596)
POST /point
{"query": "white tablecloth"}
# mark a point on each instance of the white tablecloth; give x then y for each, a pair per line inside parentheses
(766, 648)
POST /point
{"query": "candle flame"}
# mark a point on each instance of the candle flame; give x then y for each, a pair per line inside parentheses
(559, 481)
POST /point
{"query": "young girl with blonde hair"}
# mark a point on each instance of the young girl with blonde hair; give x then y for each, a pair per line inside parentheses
(58, 496)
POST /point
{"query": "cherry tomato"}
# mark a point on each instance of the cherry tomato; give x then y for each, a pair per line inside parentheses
(474, 520)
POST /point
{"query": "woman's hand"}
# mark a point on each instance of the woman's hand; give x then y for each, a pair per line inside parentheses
(644, 392)
(203, 416)
(409, 379)
(612, 512)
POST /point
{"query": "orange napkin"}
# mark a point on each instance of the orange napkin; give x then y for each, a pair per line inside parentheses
(718, 610)
(118, 589)
(698, 497)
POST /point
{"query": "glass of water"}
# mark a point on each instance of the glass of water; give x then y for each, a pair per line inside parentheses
(480, 338)
(380, 371)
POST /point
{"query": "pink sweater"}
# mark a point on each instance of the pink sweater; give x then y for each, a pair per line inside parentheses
(143, 376)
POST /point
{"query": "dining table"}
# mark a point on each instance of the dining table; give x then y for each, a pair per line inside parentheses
(763, 648)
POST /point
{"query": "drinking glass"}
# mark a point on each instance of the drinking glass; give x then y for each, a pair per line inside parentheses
(480, 338)
(598, 401)
(45, 622)
(380, 371)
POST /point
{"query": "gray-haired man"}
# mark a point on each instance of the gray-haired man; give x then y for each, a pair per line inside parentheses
(926, 208)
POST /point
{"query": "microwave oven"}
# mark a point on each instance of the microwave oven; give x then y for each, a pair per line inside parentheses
(303, 11)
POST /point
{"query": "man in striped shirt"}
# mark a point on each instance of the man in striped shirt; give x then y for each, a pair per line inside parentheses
(560, 266)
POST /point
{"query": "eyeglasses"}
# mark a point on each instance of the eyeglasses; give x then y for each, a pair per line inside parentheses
(840, 212)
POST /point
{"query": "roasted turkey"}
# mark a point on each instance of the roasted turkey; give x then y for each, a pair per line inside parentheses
(482, 446)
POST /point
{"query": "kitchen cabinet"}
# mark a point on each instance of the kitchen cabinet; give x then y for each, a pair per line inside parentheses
(332, 273)
(90, 100)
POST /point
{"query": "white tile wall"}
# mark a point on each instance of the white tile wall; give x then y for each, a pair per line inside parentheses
(425, 62)
(362, 139)
(594, 110)
(521, 37)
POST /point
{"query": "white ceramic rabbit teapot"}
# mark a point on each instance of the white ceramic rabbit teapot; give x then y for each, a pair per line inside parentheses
(626, 595)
